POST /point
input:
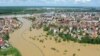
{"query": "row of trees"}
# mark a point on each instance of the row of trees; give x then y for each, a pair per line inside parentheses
(88, 39)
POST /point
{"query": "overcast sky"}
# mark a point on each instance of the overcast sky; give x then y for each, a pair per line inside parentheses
(95, 3)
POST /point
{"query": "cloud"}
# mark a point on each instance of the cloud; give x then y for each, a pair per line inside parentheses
(82, 1)
(50, 2)
(54, 1)
(66, 1)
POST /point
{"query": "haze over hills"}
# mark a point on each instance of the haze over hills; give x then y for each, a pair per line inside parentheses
(41, 9)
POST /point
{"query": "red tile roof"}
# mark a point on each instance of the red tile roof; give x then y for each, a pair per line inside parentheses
(1, 41)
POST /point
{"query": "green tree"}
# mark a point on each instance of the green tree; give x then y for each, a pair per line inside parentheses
(67, 36)
(6, 37)
(50, 32)
(86, 39)
(97, 40)
(45, 28)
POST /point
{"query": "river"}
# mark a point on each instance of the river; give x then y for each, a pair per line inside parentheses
(25, 47)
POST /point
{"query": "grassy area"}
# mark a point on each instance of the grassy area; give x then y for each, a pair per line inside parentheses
(9, 51)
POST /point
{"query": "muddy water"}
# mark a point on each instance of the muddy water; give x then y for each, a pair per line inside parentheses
(17, 40)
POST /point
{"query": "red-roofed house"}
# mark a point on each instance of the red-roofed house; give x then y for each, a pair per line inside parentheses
(1, 42)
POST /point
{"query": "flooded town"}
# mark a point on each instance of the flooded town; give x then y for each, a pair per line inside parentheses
(74, 32)
(49, 28)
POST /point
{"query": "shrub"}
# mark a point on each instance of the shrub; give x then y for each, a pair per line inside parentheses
(41, 41)
(50, 38)
(59, 40)
(74, 54)
(55, 39)
(78, 49)
(65, 51)
(53, 49)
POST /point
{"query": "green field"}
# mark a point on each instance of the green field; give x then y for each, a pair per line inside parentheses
(11, 51)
